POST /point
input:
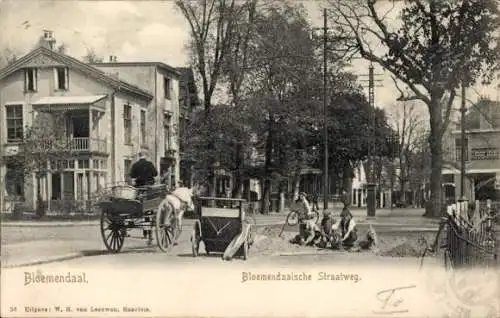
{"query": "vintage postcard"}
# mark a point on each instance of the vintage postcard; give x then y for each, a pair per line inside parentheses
(250, 158)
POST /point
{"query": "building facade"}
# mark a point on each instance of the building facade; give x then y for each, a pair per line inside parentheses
(482, 156)
(106, 120)
(162, 82)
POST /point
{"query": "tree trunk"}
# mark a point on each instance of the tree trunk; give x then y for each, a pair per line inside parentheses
(212, 179)
(264, 207)
(266, 197)
(434, 209)
(347, 176)
(238, 176)
(296, 187)
(282, 198)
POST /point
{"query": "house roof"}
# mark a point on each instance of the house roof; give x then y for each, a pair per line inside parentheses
(69, 100)
(160, 65)
(81, 66)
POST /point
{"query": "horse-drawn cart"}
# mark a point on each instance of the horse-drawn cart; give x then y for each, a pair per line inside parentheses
(221, 229)
(124, 208)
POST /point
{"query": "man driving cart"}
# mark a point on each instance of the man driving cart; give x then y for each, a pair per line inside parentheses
(143, 173)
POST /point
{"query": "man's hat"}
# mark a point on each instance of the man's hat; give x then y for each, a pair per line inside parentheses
(303, 193)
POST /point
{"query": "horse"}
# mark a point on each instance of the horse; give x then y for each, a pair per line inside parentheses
(174, 205)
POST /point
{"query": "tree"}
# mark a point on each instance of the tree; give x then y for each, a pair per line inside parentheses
(211, 26)
(282, 58)
(7, 57)
(44, 144)
(92, 57)
(225, 128)
(62, 48)
(235, 71)
(434, 47)
(409, 127)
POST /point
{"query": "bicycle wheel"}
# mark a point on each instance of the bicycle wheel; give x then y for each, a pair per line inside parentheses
(292, 218)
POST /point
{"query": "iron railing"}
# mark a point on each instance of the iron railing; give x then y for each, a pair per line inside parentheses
(467, 237)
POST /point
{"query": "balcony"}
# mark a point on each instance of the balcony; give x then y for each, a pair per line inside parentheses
(76, 144)
(88, 144)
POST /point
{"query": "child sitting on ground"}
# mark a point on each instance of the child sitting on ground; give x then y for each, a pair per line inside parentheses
(326, 230)
(346, 229)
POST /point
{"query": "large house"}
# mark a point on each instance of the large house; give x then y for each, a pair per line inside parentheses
(162, 81)
(482, 159)
(109, 113)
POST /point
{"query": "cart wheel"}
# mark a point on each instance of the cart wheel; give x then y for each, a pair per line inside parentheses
(165, 231)
(112, 231)
(195, 242)
(245, 251)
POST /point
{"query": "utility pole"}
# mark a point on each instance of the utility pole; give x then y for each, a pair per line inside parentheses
(371, 185)
(463, 145)
(325, 113)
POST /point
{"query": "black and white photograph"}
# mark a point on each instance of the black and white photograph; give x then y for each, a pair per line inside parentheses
(250, 158)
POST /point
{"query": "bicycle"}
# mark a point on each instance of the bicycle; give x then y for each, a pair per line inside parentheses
(293, 217)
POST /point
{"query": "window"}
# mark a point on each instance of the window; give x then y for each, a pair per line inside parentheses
(167, 87)
(127, 163)
(14, 123)
(83, 164)
(61, 75)
(14, 180)
(127, 123)
(166, 128)
(30, 79)
(143, 127)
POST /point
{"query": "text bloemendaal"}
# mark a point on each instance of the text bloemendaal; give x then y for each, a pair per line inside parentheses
(299, 276)
(39, 277)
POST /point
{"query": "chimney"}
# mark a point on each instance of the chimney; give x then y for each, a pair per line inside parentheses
(48, 39)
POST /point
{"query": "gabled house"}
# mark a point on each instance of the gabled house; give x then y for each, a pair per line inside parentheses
(107, 121)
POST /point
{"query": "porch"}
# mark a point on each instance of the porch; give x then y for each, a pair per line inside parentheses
(76, 123)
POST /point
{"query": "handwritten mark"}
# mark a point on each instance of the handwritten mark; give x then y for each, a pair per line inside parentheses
(389, 304)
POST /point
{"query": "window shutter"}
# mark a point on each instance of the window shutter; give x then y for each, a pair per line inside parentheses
(35, 79)
(56, 79)
(66, 74)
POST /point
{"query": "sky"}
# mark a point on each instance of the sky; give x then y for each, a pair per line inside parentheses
(137, 31)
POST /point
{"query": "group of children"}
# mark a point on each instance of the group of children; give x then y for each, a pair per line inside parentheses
(337, 234)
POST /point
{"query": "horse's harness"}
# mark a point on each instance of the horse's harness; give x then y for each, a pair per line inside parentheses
(184, 204)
